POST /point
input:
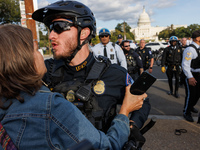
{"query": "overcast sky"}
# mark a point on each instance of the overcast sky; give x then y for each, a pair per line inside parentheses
(109, 13)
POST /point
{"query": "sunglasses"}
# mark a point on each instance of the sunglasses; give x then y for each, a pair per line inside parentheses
(60, 26)
(127, 46)
(102, 36)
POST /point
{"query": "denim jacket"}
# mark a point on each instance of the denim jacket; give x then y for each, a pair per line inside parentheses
(47, 121)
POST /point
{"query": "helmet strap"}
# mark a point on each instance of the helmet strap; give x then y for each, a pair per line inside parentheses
(68, 59)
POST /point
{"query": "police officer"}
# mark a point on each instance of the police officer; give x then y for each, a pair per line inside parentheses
(172, 57)
(109, 49)
(146, 55)
(119, 40)
(191, 68)
(134, 61)
(92, 84)
(183, 46)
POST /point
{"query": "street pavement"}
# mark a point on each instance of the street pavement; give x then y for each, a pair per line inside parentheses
(169, 113)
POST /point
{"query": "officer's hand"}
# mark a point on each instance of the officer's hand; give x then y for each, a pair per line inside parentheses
(150, 70)
(163, 69)
(192, 81)
(131, 102)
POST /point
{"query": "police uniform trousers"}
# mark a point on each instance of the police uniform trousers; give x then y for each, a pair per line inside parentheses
(182, 78)
(192, 94)
(170, 73)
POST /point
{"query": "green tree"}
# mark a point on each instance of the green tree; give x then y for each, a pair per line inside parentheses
(43, 39)
(9, 12)
(43, 36)
(114, 35)
(179, 32)
(95, 40)
(119, 29)
(192, 28)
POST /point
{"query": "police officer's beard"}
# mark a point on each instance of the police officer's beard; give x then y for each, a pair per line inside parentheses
(125, 51)
(70, 48)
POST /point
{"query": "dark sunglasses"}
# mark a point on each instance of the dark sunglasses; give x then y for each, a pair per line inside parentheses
(101, 36)
(127, 46)
(60, 26)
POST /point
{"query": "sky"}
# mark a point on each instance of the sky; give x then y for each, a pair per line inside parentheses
(109, 13)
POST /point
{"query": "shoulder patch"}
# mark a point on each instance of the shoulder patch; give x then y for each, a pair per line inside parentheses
(150, 52)
(189, 53)
(129, 79)
(188, 58)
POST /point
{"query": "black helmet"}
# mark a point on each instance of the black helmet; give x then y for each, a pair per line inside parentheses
(81, 14)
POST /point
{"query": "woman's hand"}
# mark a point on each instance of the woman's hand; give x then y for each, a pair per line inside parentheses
(131, 102)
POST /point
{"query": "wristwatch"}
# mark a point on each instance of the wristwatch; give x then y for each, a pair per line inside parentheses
(150, 67)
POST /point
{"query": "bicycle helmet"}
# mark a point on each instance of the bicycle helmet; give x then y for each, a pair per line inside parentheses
(80, 14)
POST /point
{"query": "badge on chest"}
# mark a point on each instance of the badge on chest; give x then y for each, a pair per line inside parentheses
(99, 88)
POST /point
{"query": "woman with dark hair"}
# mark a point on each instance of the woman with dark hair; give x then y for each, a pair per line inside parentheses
(36, 118)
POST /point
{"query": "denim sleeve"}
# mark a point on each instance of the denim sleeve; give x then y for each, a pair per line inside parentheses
(141, 115)
(69, 126)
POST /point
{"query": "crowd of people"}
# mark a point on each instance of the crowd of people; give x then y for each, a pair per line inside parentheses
(59, 102)
(175, 62)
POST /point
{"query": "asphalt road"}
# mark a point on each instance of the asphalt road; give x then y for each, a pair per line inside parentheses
(169, 113)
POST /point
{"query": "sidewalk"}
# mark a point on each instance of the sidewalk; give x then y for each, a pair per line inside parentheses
(169, 113)
(162, 137)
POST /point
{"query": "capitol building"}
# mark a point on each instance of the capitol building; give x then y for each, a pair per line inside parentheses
(144, 30)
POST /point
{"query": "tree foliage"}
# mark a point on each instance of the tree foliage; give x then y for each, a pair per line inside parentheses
(119, 29)
(9, 12)
(43, 39)
(95, 40)
(179, 32)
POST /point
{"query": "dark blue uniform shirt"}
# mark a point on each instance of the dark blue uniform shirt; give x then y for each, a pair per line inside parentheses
(109, 90)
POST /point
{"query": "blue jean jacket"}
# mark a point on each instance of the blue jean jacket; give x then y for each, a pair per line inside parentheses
(48, 121)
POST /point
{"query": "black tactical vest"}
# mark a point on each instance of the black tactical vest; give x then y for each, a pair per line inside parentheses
(131, 64)
(79, 91)
(195, 64)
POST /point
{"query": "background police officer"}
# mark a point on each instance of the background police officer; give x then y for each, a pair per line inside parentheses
(119, 40)
(191, 68)
(109, 49)
(172, 57)
(134, 61)
(183, 46)
(146, 55)
(76, 73)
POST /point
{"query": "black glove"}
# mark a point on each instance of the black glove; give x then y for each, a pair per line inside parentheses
(136, 140)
